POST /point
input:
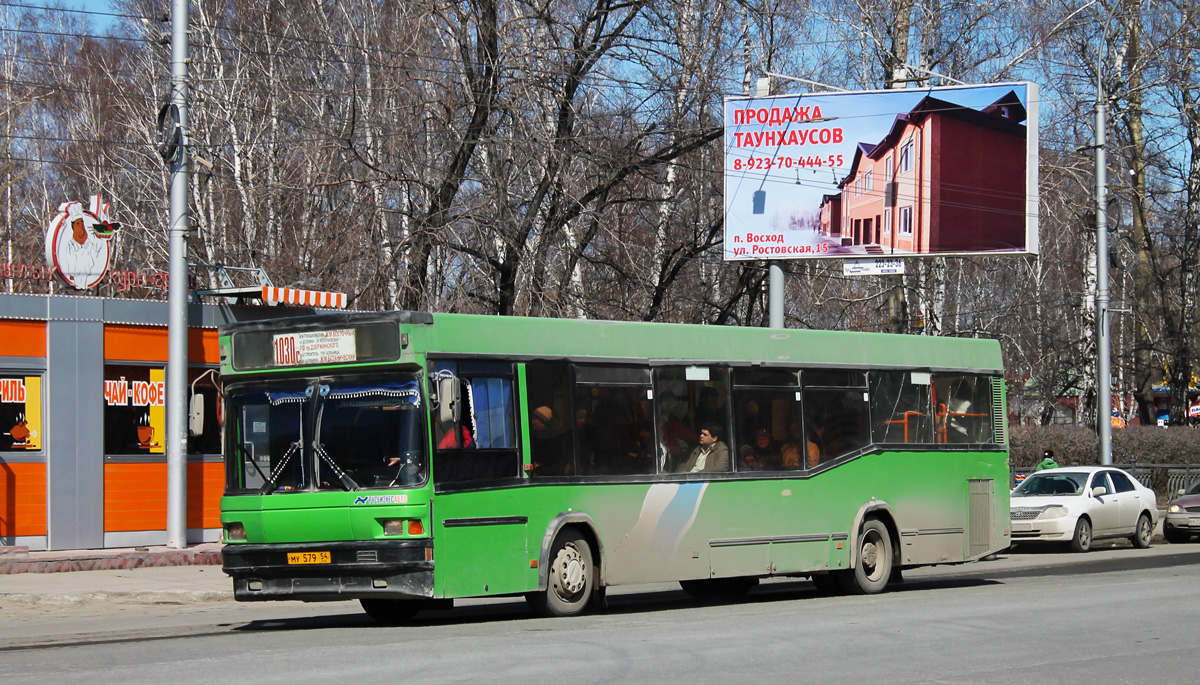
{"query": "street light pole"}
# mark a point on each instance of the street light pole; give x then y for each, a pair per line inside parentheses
(1103, 362)
(177, 294)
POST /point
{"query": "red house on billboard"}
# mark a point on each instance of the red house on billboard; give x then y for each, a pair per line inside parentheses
(945, 179)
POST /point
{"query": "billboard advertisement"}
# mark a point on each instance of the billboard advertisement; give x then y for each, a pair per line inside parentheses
(895, 173)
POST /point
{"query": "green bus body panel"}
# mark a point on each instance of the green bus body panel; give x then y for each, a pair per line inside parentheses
(320, 516)
(535, 337)
(532, 337)
(673, 529)
(491, 541)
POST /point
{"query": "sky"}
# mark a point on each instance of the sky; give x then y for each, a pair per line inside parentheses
(101, 22)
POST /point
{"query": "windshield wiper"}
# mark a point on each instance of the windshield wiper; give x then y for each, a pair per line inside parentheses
(269, 486)
(347, 481)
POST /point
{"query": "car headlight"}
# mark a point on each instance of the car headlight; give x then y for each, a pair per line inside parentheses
(1174, 509)
(1055, 512)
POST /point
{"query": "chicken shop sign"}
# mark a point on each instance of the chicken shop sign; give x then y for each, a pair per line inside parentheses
(79, 243)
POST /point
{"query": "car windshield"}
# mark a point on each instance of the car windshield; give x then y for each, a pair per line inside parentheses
(1194, 490)
(1052, 482)
(345, 434)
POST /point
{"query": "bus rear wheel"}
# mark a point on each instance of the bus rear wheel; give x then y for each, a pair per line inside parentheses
(874, 568)
(570, 579)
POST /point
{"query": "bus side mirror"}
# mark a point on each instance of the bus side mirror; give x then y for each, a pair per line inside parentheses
(196, 415)
(448, 399)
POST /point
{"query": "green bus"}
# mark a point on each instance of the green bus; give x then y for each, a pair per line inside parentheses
(405, 459)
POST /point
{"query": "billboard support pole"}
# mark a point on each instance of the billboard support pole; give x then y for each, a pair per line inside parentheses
(177, 293)
(775, 297)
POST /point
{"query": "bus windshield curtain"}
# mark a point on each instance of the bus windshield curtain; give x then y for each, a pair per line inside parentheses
(405, 389)
(492, 406)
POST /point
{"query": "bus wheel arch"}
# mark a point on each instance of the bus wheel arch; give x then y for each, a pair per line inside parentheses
(587, 528)
(874, 550)
(571, 575)
(570, 570)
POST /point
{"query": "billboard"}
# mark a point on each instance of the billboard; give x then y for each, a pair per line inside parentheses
(895, 173)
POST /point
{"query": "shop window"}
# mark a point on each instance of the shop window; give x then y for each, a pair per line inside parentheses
(20, 413)
(135, 410)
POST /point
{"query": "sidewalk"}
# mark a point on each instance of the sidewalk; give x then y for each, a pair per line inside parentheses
(80, 583)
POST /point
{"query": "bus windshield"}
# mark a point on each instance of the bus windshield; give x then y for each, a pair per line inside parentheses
(320, 434)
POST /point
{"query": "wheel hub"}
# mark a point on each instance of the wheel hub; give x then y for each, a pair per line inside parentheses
(869, 553)
(569, 571)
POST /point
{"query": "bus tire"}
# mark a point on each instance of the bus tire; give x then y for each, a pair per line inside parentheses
(391, 612)
(875, 557)
(569, 580)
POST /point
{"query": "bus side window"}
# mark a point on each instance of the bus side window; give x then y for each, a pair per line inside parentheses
(548, 399)
(687, 399)
(613, 421)
(900, 407)
(836, 414)
(962, 408)
(482, 444)
(767, 420)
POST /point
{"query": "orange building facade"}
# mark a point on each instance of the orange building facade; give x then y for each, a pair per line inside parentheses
(83, 421)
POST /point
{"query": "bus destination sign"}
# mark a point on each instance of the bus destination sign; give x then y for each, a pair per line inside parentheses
(315, 347)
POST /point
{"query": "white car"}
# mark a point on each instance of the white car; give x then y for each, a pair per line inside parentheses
(1080, 504)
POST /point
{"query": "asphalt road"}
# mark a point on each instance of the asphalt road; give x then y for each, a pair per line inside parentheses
(1112, 616)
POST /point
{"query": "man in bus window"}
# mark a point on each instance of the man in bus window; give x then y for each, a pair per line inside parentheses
(711, 456)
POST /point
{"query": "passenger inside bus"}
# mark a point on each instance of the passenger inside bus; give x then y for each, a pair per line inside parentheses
(761, 455)
(550, 444)
(789, 453)
(710, 456)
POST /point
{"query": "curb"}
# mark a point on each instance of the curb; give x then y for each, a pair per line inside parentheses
(80, 598)
(107, 562)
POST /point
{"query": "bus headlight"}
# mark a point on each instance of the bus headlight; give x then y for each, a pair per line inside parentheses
(1055, 512)
(235, 532)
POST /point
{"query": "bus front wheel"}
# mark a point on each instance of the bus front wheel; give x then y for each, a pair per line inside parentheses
(569, 580)
(870, 575)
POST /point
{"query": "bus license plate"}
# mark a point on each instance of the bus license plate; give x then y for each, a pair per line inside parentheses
(309, 558)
